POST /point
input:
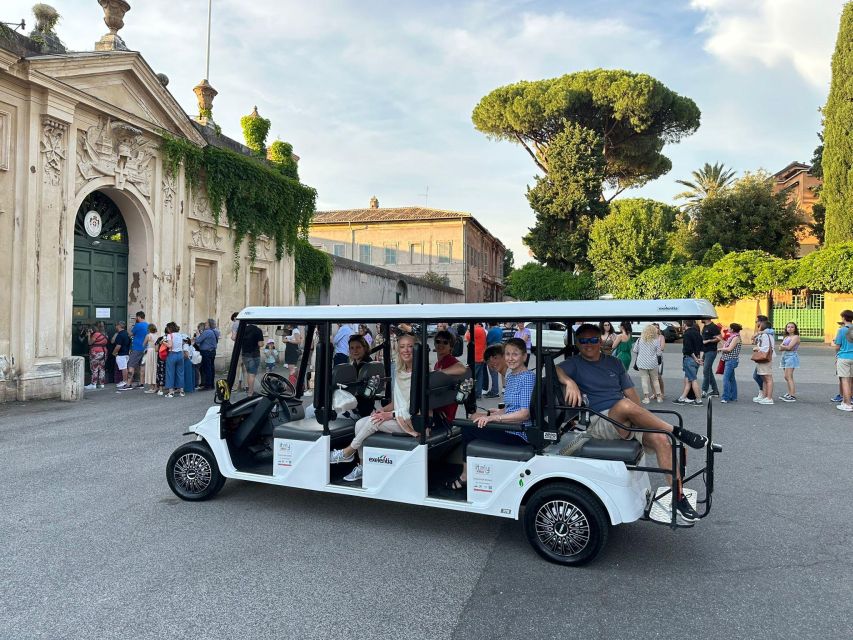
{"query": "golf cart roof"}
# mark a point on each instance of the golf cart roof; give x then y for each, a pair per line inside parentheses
(575, 310)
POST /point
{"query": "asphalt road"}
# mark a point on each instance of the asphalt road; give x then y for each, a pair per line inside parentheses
(94, 545)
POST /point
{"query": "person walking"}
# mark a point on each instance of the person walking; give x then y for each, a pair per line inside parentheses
(790, 349)
(711, 336)
(162, 355)
(523, 333)
(149, 360)
(730, 356)
(270, 355)
(662, 343)
(762, 355)
(174, 342)
(844, 360)
(647, 350)
(292, 345)
(691, 352)
(623, 344)
(98, 342)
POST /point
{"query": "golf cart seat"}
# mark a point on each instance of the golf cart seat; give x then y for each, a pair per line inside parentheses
(405, 442)
(309, 429)
(627, 451)
(494, 450)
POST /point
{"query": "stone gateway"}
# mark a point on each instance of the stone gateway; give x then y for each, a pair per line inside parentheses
(94, 226)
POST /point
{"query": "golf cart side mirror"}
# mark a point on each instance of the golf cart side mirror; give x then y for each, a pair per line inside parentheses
(223, 392)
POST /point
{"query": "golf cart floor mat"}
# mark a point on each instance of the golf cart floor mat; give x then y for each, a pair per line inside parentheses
(660, 507)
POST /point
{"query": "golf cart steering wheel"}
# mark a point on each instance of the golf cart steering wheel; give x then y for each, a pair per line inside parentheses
(277, 386)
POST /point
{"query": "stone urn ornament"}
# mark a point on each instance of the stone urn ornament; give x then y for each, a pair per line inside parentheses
(114, 11)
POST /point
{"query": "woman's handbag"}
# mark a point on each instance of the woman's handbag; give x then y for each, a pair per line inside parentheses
(721, 367)
(760, 357)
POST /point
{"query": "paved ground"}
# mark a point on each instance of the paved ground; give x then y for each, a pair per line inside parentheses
(94, 545)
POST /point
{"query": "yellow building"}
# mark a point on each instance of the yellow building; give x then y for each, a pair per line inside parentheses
(417, 240)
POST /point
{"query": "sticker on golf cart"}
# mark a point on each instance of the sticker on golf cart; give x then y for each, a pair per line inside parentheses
(283, 454)
(381, 459)
(483, 481)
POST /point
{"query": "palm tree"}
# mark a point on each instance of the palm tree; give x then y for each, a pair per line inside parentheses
(707, 181)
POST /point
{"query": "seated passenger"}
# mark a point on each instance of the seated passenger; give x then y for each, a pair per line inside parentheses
(393, 417)
(517, 393)
(359, 356)
(610, 391)
(444, 342)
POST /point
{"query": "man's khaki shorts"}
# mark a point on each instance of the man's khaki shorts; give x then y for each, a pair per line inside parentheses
(764, 368)
(604, 430)
(844, 367)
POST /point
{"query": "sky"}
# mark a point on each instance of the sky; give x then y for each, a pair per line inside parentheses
(376, 96)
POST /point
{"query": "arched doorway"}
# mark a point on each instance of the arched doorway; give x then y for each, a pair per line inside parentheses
(100, 268)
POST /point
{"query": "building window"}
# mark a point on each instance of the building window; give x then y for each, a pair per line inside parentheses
(364, 253)
(391, 253)
(338, 250)
(416, 253)
(444, 252)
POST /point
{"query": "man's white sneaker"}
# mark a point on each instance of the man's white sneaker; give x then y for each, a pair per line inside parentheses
(766, 401)
(844, 407)
(90, 387)
(355, 474)
(337, 456)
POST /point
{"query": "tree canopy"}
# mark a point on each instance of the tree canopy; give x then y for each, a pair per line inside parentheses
(837, 161)
(536, 282)
(747, 216)
(633, 114)
(631, 238)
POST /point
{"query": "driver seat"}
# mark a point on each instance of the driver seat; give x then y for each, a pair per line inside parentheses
(254, 422)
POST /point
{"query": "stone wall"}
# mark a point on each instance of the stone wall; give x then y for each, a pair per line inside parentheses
(357, 283)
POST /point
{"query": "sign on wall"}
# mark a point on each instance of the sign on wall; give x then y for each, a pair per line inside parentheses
(92, 224)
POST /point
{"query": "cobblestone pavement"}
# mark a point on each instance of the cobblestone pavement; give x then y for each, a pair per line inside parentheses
(96, 546)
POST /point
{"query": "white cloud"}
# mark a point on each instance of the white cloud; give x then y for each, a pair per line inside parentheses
(773, 33)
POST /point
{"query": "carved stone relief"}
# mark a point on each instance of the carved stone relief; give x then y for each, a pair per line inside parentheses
(264, 249)
(53, 150)
(201, 208)
(170, 190)
(115, 149)
(207, 237)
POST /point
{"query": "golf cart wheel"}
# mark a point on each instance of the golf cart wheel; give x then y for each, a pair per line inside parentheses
(192, 472)
(566, 524)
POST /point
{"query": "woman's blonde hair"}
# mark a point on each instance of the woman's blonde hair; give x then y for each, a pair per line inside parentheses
(649, 333)
(397, 362)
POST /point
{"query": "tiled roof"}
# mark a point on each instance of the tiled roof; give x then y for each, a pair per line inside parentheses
(395, 214)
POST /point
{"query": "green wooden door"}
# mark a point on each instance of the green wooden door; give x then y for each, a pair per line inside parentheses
(100, 272)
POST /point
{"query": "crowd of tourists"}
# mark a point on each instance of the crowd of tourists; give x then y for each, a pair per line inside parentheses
(167, 363)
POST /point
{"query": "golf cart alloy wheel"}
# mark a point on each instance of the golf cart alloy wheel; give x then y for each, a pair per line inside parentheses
(192, 473)
(562, 527)
(566, 523)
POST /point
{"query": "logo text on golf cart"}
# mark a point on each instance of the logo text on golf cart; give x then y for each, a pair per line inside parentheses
(483, 469)
(383, 459)
(666, 308)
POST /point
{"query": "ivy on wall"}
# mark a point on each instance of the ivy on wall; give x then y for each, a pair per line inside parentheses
(258, 199)
(255, 130)
(313, 268)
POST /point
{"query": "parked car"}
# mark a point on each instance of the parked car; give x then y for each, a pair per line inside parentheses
(671, 330)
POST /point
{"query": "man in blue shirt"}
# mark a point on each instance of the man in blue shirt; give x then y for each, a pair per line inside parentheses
(844, 359)
(341, 342)
(137, 349)
(608, 389)
(206, 343)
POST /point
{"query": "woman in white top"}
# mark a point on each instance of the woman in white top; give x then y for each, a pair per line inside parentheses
(174, 361)
(647, 350)
(392, 418)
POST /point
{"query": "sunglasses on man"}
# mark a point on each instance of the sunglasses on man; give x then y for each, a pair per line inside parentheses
(589, 340)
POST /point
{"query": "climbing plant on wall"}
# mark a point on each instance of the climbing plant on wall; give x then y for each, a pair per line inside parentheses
(255, 130)
(258, 198)
(313, 268)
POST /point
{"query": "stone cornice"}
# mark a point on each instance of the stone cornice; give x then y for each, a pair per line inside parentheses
(39, 73)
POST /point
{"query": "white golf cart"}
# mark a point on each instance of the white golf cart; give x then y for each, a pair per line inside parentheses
(568, 488)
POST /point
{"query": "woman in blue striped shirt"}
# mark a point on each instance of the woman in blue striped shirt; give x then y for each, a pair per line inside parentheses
(517, 393)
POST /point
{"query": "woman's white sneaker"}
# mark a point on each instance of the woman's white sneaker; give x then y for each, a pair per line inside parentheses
(337, 456)
(844, 407)
(766, 401)
(355, 474)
